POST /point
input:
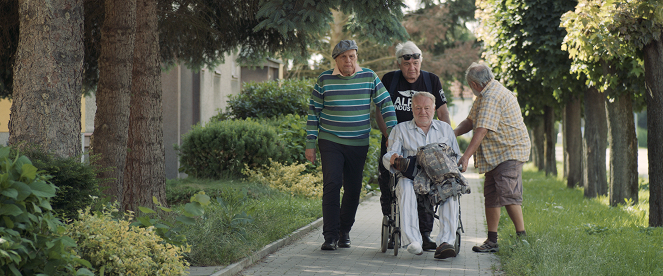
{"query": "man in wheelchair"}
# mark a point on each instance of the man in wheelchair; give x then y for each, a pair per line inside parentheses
(404, 141)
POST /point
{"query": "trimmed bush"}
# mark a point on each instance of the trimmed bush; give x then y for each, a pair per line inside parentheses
(77, 184)
(223, 147)
(31, 238)
(113, 247)
(269, 99)
(291, 129)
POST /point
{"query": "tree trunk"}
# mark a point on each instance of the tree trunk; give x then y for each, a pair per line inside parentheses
(109, 140)
(623, 178)
(653, 57)
(573, 143)
(565, 155)
(538, 146)
(145, 172)
(46, 108)
(623, 150)
(549, 130)
(594, 144)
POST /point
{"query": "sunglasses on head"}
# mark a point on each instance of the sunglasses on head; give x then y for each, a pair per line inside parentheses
(409, 56)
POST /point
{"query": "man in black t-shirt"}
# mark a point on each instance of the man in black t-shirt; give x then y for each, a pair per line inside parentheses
(409, 80)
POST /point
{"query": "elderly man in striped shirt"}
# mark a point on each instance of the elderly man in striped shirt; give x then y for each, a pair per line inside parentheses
(500, 145)
(404, 141)
(339, 120)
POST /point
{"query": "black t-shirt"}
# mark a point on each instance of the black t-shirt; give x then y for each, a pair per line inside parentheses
(402, 97)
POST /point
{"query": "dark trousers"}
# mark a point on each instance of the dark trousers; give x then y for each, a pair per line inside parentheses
(425, 219)
(341, 166)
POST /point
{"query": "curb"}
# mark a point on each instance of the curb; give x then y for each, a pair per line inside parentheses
(268, 249)
(237, 267)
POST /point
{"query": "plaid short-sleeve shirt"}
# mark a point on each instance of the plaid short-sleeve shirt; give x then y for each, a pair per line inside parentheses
(497, 110)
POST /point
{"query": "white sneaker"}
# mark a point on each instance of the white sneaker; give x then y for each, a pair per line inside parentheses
(415, 248)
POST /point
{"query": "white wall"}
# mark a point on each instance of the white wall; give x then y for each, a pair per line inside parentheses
(216, 85)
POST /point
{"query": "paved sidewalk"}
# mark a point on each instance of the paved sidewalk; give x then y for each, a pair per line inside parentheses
(304, 256)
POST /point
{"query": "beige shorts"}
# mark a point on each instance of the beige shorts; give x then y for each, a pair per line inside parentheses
(504, 185)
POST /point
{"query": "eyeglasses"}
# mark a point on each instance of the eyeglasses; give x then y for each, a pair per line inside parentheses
(409, 56)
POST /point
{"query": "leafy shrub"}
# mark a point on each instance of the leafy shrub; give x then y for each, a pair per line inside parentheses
(370, 174)
(225, 146)
(31, 237)
(291, 129)
(291, 178)
(77, 184)
(170, 231)
(114, 247)
(269, 99)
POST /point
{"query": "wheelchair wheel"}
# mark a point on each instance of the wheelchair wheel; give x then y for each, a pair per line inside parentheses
(397, 242)
(457, 243)
(386, 231)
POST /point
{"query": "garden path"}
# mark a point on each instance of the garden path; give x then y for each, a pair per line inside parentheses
(301, 254)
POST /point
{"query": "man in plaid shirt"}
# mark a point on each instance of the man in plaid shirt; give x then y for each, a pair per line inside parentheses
(500, 145)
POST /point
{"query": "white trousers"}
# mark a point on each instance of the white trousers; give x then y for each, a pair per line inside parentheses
(447, 211)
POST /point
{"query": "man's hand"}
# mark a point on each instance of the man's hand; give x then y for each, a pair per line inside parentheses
(310, 155)
(462, 163)
(393, 159)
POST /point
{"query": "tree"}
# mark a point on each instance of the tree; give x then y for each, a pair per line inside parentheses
(144, 174)
(447, 44)
(639, 25)
(111, 122)
(523, 45)
(594, 144)
(616, 71)
(47, 77)
(572, 114)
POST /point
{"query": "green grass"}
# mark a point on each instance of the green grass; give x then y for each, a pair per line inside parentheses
(243, 218)
(568, 234)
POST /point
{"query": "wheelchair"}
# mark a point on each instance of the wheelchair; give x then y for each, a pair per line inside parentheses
(391, 224)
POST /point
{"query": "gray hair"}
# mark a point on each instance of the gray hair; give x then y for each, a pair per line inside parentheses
(479, 73)
(424, 94)
(407, 48)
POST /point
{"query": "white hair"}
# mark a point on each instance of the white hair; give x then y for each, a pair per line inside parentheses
(424, 94)
(479, 73)
(407, 48)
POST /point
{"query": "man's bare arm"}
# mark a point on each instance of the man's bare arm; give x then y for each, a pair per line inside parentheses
(381, 124)
(478, 136)
(464, 127)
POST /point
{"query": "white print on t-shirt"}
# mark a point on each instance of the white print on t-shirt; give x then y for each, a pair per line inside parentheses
(407, 93)
(404, 103)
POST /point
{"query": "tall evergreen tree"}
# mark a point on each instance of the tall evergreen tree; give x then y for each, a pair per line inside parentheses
(47, 75)
(144, 174)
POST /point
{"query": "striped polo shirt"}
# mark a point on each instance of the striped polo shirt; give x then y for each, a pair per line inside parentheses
(339, 109)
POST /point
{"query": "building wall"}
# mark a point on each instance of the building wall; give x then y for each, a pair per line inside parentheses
(192, 97)
(88, 108)
(217, 85)
(5, 108)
